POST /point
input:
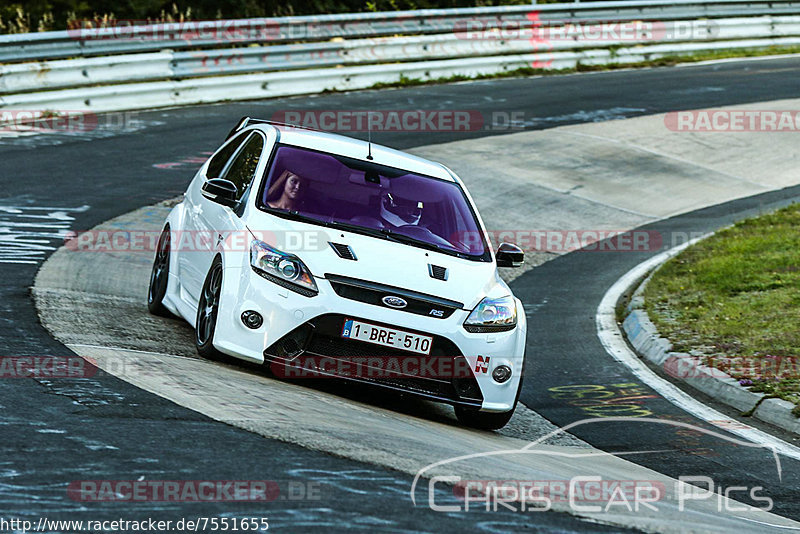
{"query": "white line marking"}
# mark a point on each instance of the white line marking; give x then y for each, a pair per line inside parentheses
(737, 59)
(613, 341)
(768, 524)
(29, 233)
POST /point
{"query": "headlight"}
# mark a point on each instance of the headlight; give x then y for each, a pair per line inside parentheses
(493, 315)
(284, 269)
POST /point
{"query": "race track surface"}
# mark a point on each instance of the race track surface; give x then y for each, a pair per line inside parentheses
(104, 428)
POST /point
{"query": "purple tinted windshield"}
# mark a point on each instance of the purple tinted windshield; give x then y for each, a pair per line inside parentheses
(338, 189)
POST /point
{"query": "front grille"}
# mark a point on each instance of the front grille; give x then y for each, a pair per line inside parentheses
(374, 293)
(294, 343)
(321, 338)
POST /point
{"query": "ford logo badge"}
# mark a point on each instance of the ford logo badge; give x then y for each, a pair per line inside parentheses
(394, 302)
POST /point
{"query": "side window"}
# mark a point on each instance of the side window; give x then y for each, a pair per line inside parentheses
(217, 163)
(243, 168)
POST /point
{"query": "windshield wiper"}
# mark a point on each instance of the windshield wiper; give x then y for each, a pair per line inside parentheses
(383, 233)
(295, 216)
(394, 236)
(408, 240)
(386, 234)
(357, 229)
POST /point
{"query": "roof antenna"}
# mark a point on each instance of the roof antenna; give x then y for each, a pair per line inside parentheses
(369, 138)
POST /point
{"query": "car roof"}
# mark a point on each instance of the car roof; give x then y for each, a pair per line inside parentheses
(357, 149)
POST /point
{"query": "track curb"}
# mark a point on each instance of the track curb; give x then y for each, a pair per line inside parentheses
(685, 368)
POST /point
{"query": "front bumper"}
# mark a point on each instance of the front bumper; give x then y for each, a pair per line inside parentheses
(314, 324)
(316, 348)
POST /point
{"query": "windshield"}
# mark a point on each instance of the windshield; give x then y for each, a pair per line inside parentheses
(378, 200)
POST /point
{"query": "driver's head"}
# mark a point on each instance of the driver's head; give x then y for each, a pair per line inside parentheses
(288, 185)
(400, 212)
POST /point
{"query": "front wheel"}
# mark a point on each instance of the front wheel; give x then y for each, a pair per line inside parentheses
(159, 277)
(207, 313)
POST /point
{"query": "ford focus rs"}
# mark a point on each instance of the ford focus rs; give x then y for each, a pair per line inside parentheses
(322, 255)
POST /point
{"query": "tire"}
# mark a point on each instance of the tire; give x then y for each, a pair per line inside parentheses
(159, 277)
(483, 420)
(207, 313)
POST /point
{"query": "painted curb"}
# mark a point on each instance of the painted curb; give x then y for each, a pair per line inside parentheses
(686, 368)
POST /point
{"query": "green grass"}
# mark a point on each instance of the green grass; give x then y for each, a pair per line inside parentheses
(666, 61)
(736, 296)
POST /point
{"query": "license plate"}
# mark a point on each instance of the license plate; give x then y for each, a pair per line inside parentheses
(387, 337)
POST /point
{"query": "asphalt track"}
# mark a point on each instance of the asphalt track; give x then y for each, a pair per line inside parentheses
(105, 428)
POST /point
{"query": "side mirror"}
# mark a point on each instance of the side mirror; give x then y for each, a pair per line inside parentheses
(509, 255)
(220, 191)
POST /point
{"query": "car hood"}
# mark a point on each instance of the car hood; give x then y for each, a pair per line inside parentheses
(380, 260)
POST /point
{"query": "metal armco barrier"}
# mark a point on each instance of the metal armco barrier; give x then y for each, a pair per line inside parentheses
(123, 39)
(437, 43)
(444, 46)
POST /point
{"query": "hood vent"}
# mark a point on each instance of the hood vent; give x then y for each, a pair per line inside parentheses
(343, 251)
(438, 272)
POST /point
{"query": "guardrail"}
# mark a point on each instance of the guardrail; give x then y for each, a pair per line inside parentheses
(122, 38)
(182, 65)
(483, 42)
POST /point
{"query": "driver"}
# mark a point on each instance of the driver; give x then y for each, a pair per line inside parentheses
(400, 212)
(287, 191)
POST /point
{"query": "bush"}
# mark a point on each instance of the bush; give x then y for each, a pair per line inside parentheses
(44, 15)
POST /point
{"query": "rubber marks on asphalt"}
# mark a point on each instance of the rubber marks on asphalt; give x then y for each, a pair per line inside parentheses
(29, 233)
(17, 130)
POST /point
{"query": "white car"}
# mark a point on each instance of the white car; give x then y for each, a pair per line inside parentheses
(322, 255)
